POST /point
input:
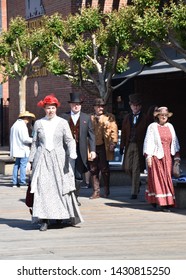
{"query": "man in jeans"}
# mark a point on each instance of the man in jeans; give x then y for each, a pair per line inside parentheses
(20, 142)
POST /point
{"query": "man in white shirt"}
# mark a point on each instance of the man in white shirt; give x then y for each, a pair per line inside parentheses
(20, 143)
(83, 133)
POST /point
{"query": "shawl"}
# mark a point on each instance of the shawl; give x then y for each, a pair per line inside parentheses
(152, 144)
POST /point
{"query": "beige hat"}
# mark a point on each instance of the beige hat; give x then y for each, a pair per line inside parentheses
(26, 114)
(163, 110)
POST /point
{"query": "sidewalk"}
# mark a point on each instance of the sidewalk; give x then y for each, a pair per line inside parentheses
(114, 229)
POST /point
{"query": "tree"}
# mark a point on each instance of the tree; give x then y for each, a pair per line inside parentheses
(20, 49)
(91, 47)
(161, 28)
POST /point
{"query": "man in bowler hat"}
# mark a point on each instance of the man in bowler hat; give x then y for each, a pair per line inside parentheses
(133, 132)
(82, 131)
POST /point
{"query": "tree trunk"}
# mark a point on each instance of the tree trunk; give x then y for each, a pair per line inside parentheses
(22, 94)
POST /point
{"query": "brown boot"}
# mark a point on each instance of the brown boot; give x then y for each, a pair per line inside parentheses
(96, 187)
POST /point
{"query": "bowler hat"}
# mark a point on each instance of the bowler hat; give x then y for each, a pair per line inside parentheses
(26, 114)
(75, 98)
(135, 99)
(163, 110)
(99, 102)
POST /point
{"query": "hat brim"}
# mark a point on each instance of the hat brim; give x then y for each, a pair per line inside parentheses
(79, 102)
(99, 105)
(169, 114)
(29, 115)
(135, 102)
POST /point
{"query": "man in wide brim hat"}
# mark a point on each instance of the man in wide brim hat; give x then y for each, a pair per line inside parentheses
(163, 110)
(20, 142)
(75, 98)
(26, 114)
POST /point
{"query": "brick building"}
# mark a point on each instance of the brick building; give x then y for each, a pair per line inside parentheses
(44, 83)
(163, 87)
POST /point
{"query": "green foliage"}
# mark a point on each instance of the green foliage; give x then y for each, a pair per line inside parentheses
(54, 24)
(177, 22)
(122, 64)
(91, 45)
(17, 29)
(56, 66)
(142, 5)
(80, 49)
(152, 25)
(146, 55)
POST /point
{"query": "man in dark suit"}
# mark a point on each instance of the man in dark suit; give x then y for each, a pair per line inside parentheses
(132, 137)
(82, 131)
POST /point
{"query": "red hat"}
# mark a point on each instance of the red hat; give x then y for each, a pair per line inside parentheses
(49, 99)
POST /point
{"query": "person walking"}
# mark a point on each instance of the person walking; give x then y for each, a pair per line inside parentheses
(106, 132)
(20, 143)
(52, 179)
(83, 133)
(161, 148)
(132, 137)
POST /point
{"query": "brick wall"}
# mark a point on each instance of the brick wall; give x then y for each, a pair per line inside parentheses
(50, 84)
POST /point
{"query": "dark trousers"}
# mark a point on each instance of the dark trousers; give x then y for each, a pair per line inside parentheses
(78, 171)
(100, 164)
(132, 166)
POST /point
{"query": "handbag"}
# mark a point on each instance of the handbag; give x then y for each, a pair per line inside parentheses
(29, 196)
(176, 169)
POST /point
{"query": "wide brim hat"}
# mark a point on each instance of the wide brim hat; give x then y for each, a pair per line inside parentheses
(26, 114)
(163, 110)
(99, 102)
(75, 98)
(135, 99)
(49, 99)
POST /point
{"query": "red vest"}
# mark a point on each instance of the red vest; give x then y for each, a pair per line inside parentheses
(74, 129)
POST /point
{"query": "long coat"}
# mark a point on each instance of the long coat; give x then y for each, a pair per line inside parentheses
(108, 129)
(86, 136)
(141, 127)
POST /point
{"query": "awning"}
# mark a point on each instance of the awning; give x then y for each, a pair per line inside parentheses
(156, 68)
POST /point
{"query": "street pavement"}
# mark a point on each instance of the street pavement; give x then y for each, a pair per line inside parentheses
(116, 228)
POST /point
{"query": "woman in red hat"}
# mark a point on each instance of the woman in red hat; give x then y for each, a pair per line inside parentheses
(52, 151)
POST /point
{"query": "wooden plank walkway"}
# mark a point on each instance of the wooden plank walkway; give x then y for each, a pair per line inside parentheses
(114, 229)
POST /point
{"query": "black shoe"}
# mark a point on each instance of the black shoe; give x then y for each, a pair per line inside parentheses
(78, 203)
(165, 209)
(154, 205)
(44, 227)
(86, 186)
(133, 196)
